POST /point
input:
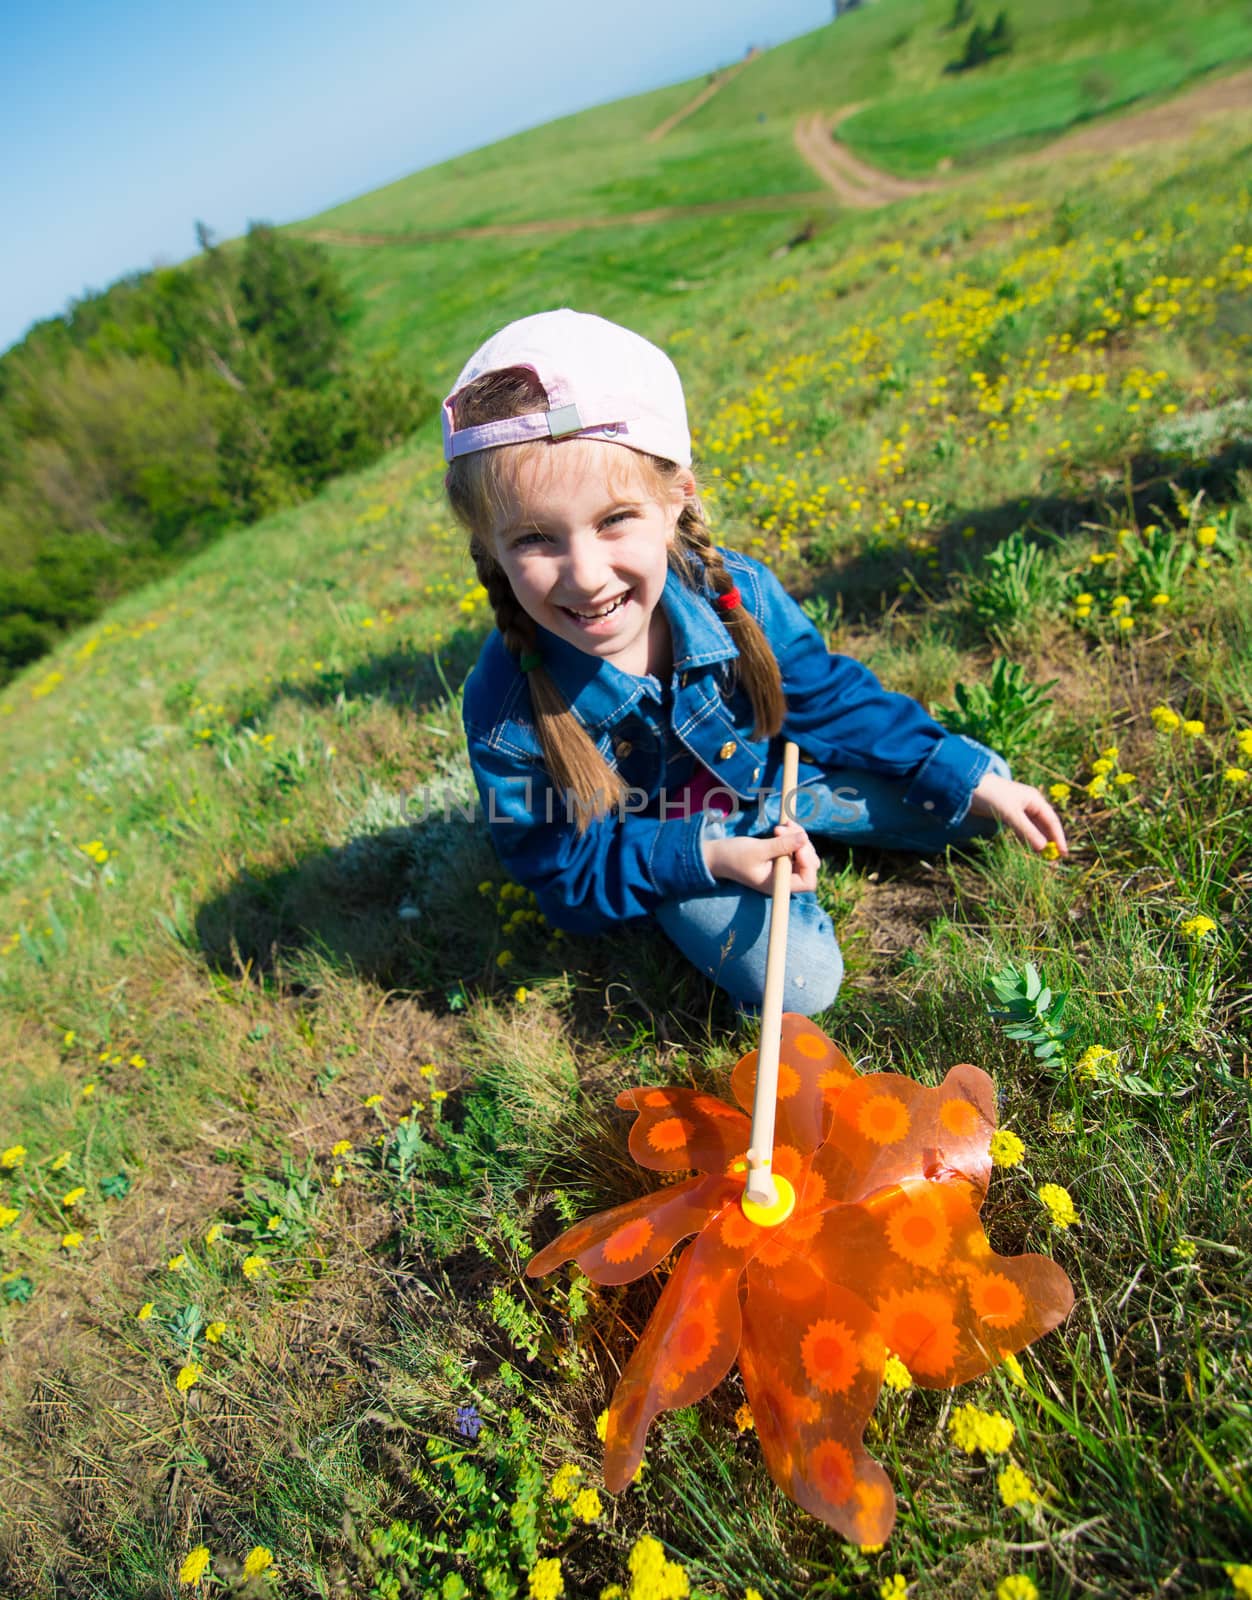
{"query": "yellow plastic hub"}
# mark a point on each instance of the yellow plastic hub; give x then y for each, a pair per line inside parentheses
(771, 1216)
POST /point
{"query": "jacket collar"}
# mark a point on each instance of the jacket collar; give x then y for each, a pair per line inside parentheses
(600, 694)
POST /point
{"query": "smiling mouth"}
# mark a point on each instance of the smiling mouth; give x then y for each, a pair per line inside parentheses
(600, 612)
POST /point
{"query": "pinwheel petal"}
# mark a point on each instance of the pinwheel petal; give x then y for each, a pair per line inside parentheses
(689, 1344)
(678, 1130)
(946, 1303)
(812, 1375)
(887, 1128)
(620, 1245)
(812, 1073)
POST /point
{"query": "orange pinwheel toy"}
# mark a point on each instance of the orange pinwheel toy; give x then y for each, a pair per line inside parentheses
(839, 1225)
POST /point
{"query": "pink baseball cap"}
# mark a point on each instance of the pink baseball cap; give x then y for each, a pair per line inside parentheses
(602, 382)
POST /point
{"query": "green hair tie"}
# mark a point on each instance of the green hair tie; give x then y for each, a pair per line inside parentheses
(530, 661)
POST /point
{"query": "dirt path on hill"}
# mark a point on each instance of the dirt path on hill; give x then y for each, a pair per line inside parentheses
(1173, 119)
(853, 182)
(705, 95)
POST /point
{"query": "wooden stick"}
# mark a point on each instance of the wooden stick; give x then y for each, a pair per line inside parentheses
(760, 1188)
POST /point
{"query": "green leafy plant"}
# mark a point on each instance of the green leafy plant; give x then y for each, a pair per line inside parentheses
(1030, 1010)
(1007, 712)
(1016, 578)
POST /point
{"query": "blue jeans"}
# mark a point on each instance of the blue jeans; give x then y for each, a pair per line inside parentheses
(725, 931)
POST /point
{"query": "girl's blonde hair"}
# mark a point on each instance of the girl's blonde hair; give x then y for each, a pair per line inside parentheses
(478, 486)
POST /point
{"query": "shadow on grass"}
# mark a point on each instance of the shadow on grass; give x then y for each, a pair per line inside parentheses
(413, 680)
(866, 584)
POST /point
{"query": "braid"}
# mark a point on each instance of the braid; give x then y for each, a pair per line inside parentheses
(758, 666)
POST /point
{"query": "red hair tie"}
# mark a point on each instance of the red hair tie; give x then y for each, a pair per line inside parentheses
(729, 600)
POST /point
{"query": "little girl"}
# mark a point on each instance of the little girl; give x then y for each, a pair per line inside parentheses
(626, 718)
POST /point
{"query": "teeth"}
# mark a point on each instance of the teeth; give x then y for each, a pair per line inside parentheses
(594, 616)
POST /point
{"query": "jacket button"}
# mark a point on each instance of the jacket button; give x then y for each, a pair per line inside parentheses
(727, 750)
(756, 773)
(622, 749)
(682, 681)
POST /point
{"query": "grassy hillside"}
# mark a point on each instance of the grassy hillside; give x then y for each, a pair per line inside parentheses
(299, 1081)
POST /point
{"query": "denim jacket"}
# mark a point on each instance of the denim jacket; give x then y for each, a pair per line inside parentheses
(659, 736)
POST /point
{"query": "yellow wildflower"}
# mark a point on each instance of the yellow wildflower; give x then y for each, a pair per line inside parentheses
(194, 1567)
(71, 1197)
(586, 1506)
(1016, 1587)
(653, 1575)
(1166, 720)
(87, 1090)
(188, 1376)
(1051, 851)
(546, 1582)
(336, 1177)
(138, 1062)
(1006, 1148)
(372, 1100)
(745, 1422)
(565, 1481)
(341, 1147)
(988, 1431)
(69, 1038)
(1103, 766)
(1059, 1205)
(9, 1214)
(1240, 1575)
(1058, 793)
(259, 1559)
(1244, 740)
(1094, 1061)
(176, 1263)
(71, 1241)
(1197, 928)
(1123, 778)
(1235, 775)
(1206, 535)
(894, 1587)
(253, 1266)
(273, 1224)
(895, 1375)
(1013, 1367)
(1110, 752)
(213, 1332)
(1015, 1487)
(1193, 728)
(521, 994)
(602, 1426)
(213, 1233)
(59, 1163)
(1097, 786)
(505, 958)
(1160, 599)
(14, 1156)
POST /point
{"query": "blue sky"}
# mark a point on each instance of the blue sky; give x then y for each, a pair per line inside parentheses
(123, 122)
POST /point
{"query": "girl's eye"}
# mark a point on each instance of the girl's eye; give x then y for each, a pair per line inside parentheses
(525, 539)
(618, 516)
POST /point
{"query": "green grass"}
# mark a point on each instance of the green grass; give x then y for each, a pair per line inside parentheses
(244, 740)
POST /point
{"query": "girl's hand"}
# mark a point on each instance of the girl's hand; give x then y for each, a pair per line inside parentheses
(751, 861)
(1021, 808)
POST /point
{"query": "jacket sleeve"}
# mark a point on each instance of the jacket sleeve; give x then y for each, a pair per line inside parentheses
(840, 715)
(619, 866)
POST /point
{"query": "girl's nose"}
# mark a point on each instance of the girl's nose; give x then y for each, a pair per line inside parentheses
(584, 565)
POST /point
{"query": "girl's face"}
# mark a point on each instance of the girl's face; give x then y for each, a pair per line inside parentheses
(584, 542)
